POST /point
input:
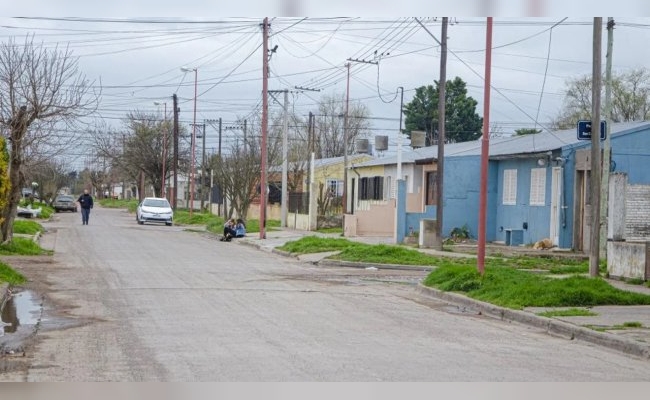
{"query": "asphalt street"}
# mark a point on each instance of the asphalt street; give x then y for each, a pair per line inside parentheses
(124, 302)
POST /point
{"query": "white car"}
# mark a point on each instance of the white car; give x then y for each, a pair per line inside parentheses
(154, 209)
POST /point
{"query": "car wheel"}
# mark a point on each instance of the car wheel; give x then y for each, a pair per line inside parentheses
(56, 210)
(168, 223)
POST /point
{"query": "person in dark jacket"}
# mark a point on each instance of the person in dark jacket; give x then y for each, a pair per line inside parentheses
(85, 203)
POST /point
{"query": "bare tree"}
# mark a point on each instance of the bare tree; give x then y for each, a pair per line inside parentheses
(630, 98)
(330, 125)
(139, 149)
(51, 176)
(41, 89)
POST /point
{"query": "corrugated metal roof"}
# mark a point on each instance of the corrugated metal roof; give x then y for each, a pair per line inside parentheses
(504, 146)
(323, 162)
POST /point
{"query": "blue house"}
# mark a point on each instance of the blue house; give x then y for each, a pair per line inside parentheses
(538, 185)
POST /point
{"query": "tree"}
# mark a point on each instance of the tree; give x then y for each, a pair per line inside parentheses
(41, 90)
(141, 146)
(462, 123)
(526, 131)
(330, 126)
(630, 98)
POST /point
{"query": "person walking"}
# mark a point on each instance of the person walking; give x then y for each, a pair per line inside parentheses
(85, 203)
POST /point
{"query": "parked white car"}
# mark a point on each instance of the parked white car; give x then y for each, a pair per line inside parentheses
(154, 209)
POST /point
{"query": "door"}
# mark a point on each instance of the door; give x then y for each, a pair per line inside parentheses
(556, 204)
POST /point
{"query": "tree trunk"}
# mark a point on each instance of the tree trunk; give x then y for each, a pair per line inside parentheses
(16, 178)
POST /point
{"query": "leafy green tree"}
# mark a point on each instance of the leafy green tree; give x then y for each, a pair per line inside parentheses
(462, 123)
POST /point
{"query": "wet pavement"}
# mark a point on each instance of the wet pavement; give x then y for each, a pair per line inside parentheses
(623, 328)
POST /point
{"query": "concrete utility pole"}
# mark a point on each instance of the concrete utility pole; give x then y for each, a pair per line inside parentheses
(265, 123)
(285, 157)
(440, 168)
(346, 134)
(595, 177)
(485, 150)
(604, 190)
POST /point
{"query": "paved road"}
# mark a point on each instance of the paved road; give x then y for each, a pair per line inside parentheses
(155, 303)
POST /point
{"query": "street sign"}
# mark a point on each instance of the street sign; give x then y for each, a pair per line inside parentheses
(584, 130)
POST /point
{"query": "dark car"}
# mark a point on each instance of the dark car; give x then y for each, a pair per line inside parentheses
(64, 202)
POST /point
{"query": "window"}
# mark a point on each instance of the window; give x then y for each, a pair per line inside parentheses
(538, 187)
(335, 187)
(509, 186)
(371, 188)
(388, 188)
(432, 188)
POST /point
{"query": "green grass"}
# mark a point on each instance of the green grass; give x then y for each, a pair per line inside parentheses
(633, 324)
(571, 312)
(27, 227)
(314, 244)
(9, 275)
(182, 217)
(516, 289)
(386, 254)
(635, 281)
(22, 246)
(130, 205)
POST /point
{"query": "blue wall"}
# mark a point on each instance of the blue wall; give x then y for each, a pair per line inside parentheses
(461, 197)
(537, 218)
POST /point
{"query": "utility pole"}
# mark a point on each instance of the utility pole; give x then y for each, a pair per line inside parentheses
(595, 178)
(346, 133)
(265, 123)
(175, 191)
(203, 170)
(485, 151)
(285, 162)
(440, 168)
(345, 144)
(285, 158)
(399, 134)
(604, 190)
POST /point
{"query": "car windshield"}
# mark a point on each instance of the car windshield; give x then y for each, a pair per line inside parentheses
(64, 198)
(156, 203)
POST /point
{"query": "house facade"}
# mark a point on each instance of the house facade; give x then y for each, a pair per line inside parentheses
(538, 185)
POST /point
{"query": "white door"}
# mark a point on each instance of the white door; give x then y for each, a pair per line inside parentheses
(556, 204)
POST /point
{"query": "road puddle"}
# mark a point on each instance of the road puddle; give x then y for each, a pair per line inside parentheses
(22, 309)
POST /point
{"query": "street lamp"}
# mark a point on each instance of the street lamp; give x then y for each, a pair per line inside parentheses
(164, 151)
(186, 69)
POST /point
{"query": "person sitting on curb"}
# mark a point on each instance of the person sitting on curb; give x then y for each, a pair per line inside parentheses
(240, 228)
(228, 230)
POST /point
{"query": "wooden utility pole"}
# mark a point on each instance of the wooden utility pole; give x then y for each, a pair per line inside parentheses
(175, 190)
(604, 190)
(594, 181)
(265, 124)
(440, 168)
(485, 151)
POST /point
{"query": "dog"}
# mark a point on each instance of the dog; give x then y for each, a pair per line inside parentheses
(543, 244)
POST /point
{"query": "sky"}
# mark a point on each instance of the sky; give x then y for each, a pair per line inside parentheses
(136, 59)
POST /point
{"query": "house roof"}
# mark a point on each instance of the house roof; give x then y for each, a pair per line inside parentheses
(505, 146)
(324, 162)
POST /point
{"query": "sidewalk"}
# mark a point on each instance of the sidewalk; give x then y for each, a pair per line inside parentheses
(605, 329)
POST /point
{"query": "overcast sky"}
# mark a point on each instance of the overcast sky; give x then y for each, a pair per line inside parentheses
(137, 59)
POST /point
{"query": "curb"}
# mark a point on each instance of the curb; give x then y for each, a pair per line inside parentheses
(550, 325)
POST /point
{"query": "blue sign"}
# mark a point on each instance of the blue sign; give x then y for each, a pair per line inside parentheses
(584, 130)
